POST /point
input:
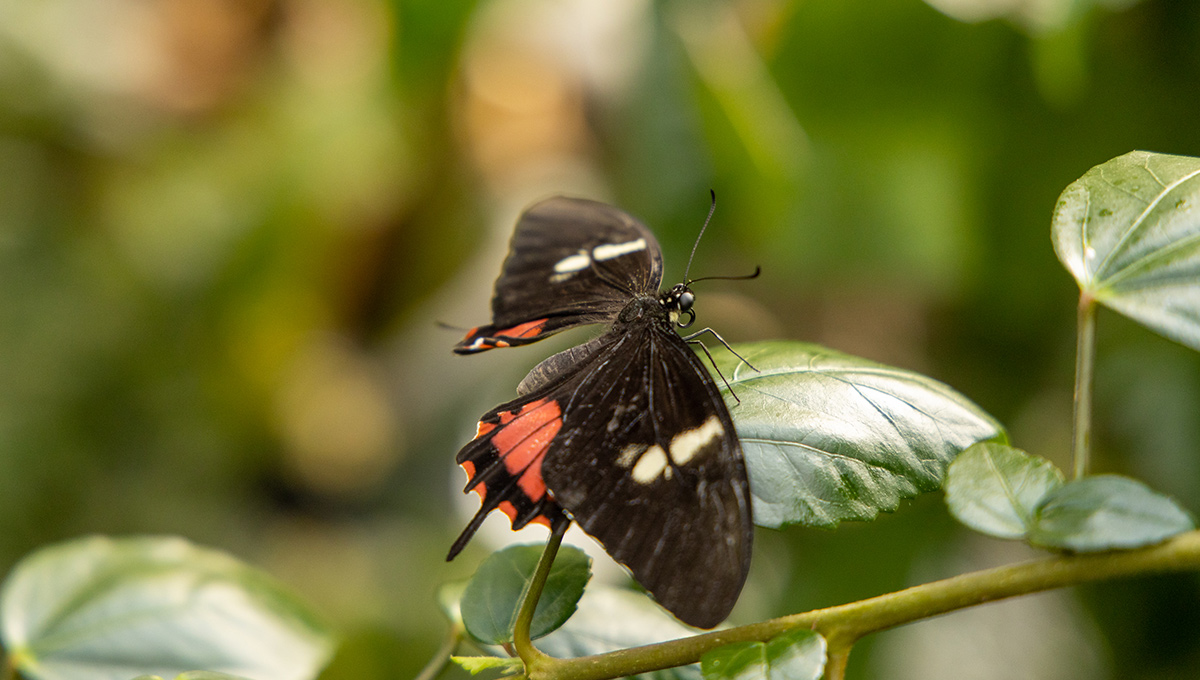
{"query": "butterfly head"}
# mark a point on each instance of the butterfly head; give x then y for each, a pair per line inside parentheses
(679, 301)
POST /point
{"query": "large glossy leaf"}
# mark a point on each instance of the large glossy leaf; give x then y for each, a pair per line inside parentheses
(1129, 232)
(490, 602)
(829, 437)
(798, 655)
(996, 489)
(1106, 512)
(110, 609)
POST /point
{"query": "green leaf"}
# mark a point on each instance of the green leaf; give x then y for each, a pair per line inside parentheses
(798, 655)
(1106, 512)
(995, 489)
(478, 664)
(490, 602)
(611, 618)
(829, 437)
(1129, 232)
(109, 609)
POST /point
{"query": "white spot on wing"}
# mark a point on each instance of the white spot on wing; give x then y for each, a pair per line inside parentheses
(652, 464)
(611, 250)
(687, 444)
(573, 263)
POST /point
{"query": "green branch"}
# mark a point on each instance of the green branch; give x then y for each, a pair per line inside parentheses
(844, 625)
(1085, 361)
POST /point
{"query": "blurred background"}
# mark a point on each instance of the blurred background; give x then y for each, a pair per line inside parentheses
(230, 229)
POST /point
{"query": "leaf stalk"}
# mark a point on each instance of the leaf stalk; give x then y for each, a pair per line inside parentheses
(1085, 361)
(442, 657)
(844, 625)
(529, 654)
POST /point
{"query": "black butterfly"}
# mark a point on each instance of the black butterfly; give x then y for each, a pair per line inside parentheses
(628, 433)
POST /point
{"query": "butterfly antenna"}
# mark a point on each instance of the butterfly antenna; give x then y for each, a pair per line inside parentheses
(743, 277)
(711, 209)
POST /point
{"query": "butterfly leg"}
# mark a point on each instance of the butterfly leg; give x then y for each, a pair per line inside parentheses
(714, 363)
(691, 339)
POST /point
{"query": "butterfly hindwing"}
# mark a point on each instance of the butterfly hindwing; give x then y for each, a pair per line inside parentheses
(571, 261)
(504, 464)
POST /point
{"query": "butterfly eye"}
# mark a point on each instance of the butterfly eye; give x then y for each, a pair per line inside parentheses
(686, 300)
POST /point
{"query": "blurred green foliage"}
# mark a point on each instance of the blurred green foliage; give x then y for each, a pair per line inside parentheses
(228, 232)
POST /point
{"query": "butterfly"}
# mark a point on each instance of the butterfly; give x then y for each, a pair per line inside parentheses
(626, 434)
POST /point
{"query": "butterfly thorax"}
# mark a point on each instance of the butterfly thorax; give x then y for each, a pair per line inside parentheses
(665, 309)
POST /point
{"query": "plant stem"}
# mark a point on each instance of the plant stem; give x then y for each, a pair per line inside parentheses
(521, 641)
(442, 656)
(835, 663)
(844, 625)
(1085, 361)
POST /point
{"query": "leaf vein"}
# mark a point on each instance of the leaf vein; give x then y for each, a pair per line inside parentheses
(1140, 221)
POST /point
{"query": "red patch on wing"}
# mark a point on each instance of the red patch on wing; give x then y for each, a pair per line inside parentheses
(523, 441)
(524, 330)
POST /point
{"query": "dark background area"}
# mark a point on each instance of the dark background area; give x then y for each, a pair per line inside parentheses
(229, 231)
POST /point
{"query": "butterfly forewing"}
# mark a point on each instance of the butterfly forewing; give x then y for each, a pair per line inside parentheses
(572, 261)
(647, 462)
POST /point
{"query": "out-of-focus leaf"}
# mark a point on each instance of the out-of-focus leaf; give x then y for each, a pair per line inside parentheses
(611, 618)
(478, 664)
(449, 598)
(490, 602)
(798, 655)
(1129, 232)
(108, 609)
(995, 489)
(195, 675)
(829, 437)
(1106, 512)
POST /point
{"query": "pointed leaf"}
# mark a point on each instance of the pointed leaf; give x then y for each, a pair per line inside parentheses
(478, 664)
(995, 489)
(1106, 512)
(109, 609)
(489, 604)
(829, 437)
(798, 655)
(1129, 232)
